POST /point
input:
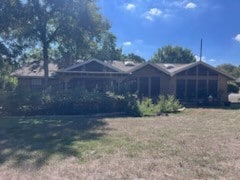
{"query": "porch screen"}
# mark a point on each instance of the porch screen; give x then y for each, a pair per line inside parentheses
(180, 88)
(202, 89)
(143, 86)
(155, 86)
(213, 86)
(191, 89)
(133, 85)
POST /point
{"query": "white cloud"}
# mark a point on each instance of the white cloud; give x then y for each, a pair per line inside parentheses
(154, 12)
(179, 3)
(204, 59)
(127, 43)
(191, 5)
(237, 38)
(212, 60)
(198, 58)
(130, 6)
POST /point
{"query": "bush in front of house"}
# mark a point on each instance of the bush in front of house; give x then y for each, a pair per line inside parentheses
(233, 87)
(82, 102)
(164, 104)
(146, 107)
(168, 104)
(71, 102)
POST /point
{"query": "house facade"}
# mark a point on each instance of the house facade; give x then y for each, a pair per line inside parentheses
(194, 82)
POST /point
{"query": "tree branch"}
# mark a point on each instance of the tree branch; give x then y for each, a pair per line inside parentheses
(53, 35)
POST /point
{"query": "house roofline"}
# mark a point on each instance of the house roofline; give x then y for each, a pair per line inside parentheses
(205, 64)
(92, 60)
(151, 64)
(29, 77)
(90, 72)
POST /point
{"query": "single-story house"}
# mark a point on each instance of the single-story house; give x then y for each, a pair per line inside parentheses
(193, 82)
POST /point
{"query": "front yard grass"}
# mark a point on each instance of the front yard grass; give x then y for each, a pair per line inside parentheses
(195, 144)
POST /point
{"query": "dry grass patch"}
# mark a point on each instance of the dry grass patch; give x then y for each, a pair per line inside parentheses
(196, 144)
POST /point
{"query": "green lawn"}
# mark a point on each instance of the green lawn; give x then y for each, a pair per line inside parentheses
(198, 143)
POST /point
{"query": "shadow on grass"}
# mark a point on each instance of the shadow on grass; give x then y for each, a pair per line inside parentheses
(35, 140)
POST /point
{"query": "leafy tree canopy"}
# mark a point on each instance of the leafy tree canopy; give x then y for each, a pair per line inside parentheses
(107, 48)
(230, 69)
(133, 57)
(71, 25)
(173, 54)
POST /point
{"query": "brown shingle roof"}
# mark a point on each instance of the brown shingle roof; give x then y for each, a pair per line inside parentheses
(35, 69)
(120, 65)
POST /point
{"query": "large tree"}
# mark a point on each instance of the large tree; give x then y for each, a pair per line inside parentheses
(230, 69)
(173, 54)
(107, 48)
(47, 23)
(133, 57)
(10, 48)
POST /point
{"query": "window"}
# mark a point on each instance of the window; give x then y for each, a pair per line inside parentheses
(213, 86)
(36, 82)
(180, 88)
(143, 89)
(202, 89)
(133, 85)
(191, 89)
(155, 86)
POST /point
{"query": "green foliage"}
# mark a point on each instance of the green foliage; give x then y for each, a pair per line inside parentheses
(168, 104)
(81, 101)
(171, 54)
(146, 107)
(133, 57)
(164, 104)
(107, 48)
(72, 25)
(233, 87)
(7, 83)
(71, 102)
(230, 69)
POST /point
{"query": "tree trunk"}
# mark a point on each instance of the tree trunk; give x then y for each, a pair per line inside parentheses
(45, 64)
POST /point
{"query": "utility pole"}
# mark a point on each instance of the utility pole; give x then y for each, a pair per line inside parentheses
(201, 51)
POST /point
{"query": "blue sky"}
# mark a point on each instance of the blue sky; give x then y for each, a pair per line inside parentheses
(143, 26)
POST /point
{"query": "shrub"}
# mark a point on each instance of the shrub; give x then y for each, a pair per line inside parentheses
(168, 104)
(72, 102)
(146, 107)
(81, 101)
(131, 105)
(233, 87)
(164, 104)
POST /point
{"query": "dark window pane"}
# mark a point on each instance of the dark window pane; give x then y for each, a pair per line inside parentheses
(180, 88)
(202, 89)
(143, 89)
(155, 86)
(133, 85)
(191, 89)
(213, 86)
